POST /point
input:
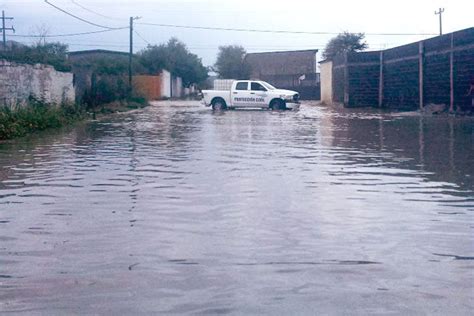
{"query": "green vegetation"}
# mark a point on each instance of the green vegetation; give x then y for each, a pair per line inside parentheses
(54, 54)
(231, 63)
(108, 81)
(175, 57)
(104, 82)
(345, 42)
(36, 116)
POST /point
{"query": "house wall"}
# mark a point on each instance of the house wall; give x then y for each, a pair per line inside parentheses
(282, 63)
(285, 70)
(20, 81)
(308, 87)
(326, 82)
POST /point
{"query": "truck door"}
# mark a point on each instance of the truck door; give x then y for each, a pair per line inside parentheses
(259, 94)
(241, 94)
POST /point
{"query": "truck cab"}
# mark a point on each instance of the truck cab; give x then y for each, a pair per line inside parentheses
(250, 94)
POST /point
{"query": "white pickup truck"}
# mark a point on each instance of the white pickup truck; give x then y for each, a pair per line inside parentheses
(251, 94)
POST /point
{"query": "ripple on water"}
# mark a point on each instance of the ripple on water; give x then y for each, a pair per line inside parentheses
(181, 210)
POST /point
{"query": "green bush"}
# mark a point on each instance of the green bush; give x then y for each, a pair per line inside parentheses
(36, 116)
(54, 54)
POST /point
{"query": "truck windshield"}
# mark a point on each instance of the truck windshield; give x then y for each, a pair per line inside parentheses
(267, 85)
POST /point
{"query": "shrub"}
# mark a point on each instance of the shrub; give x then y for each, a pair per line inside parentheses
(36, 116)
(54, 54)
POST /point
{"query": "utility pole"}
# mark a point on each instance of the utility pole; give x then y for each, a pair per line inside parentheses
(130, 57)
(4, 29)
(440, 13)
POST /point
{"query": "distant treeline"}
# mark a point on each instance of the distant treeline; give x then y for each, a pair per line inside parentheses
(173, 56)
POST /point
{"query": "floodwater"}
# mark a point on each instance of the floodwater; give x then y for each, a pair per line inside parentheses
(179, 210)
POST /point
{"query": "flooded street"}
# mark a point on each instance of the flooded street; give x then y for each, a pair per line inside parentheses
(176, 209)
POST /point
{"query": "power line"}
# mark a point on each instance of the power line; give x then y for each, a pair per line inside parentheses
(142, 37)
(249, 48)
(79, 18)
(71, 34)
(274, 31)
(94, 12)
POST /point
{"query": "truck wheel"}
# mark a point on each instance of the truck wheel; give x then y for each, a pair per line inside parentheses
(219, 105)
(278, 105)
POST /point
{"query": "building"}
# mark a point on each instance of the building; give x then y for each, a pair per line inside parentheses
(294, 70)
(436, 71)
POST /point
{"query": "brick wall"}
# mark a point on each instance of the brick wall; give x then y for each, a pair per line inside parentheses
(363, 81)
(403, 70)
(463, 72)
(400, 84)
(436, 77)
(338, 78)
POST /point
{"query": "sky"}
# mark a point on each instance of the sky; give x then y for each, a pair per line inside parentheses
(32, 17)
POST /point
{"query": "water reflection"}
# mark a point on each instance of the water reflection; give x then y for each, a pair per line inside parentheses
(181, 210)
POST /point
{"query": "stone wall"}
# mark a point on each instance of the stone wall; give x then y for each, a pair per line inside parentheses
(20, 81)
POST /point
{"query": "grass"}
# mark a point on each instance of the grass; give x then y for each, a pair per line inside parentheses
(36, 116)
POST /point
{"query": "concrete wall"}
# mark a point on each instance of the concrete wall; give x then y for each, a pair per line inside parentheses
(20, 81)
(434, 71)
(326, 82)
(176, 87)
(165, 84)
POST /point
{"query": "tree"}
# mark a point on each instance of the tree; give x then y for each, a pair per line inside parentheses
(175, 57)
(41, 32)
(345, 42)
(231, 63)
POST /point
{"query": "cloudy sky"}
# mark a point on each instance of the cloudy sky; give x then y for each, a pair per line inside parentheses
(371, 17)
